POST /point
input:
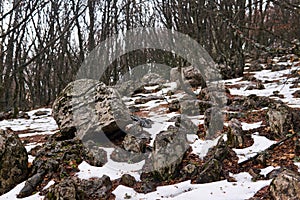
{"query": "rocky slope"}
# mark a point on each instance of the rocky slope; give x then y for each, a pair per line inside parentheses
(151, 139)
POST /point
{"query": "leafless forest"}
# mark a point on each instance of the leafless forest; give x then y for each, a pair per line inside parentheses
(43, 43)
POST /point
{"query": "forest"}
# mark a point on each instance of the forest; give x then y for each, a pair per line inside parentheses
(150, 99)
(43, 43)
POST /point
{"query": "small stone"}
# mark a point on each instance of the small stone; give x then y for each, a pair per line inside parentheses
(128, 180)
(190, 168)
(41, 113)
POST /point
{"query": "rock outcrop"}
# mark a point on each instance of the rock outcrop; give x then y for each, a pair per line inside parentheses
(213, 122)
(282, 119)
(94, 109)
(168, 151)
(13, 161)
(191, 75)
(75, 188)
(286, 186)
(59, 158)
(235, 135)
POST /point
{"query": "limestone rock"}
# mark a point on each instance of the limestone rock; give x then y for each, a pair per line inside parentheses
(94, 109)
(75, 188)
(211, 172)
(191, 75)
(213, 122)
(282, 119)
(133, 144)
(286, 186)
(128, 180)
(151, 79)
(194, 107)
(235, 135)
(184, 123)
(13, 161)
(168, 151)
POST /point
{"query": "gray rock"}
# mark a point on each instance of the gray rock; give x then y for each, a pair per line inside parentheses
(75, 188)
(95, 155)
(137, 130)
(152, 79)
(213, 122)
(184, 123)
(23, 115)
(13, 161)
(41, 113)
(143, 122)
(286, 186)
(129, 87)
(31, 184)
(282, 119)
(174, 106)
(191, 75)
(168, 151)
(133, 144)
(194, 107)
(144, 100)
(235, 135)
(127, 180)
(56, 158)
(95, 110)
(211, 172)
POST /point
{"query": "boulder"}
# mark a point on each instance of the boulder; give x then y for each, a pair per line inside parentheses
(211, 172)
(286, 186)
(194, 107)
(174, 105)
(168, 151)
(23, 115)
(95, 156)
(133, 144)
(57, 159)
(184, 123)
(129, 86)
(213, 122)
(13, 161)
(235, 135)
(127, 180)
(212, 169)
(94, 109)
(191, 75)
(75, 188)
(282, 119)
(151, 79)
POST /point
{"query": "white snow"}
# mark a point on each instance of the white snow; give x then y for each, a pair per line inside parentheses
(114, 169)
(41, 124)
(12, 194)
(244, 188)
(260, 143)
(267, 170)
(247, 126)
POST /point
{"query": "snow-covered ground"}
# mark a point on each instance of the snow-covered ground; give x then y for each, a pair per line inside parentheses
(242, 189)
